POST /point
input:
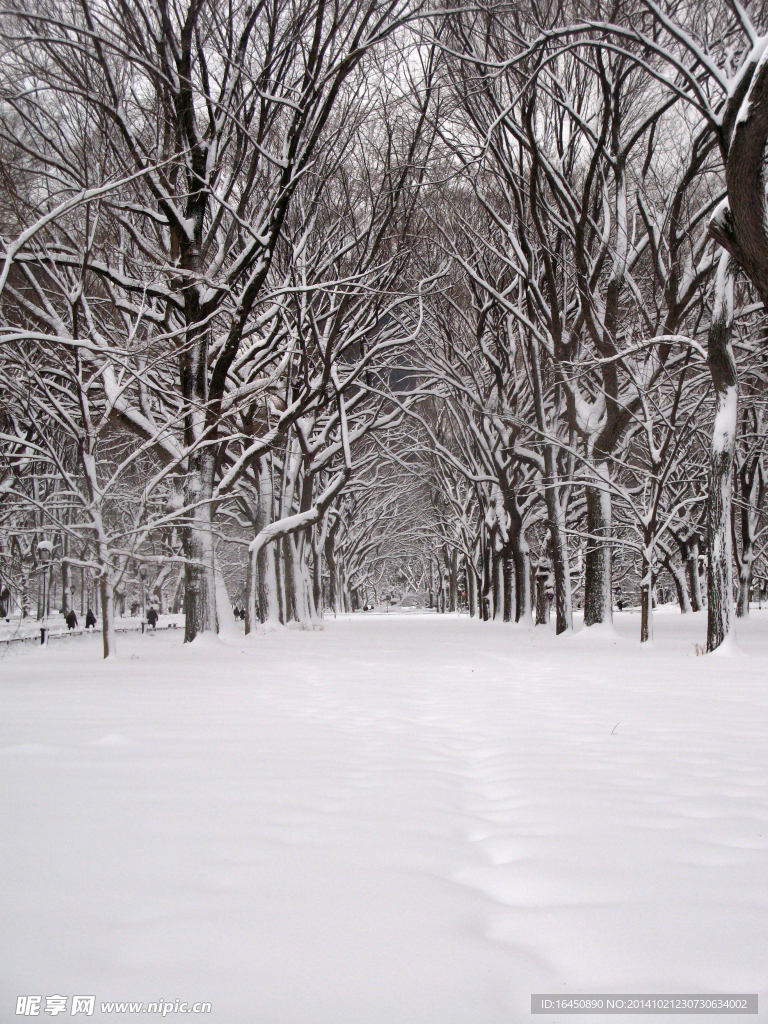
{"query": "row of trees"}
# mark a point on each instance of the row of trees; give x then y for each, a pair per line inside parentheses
(588, 321)
(299, 297)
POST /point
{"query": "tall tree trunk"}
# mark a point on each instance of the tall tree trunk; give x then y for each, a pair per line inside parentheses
(197, 534)
(509, 583)
(471, 587)
(560, 563)
(287, 579)
(646, 592)
(487, 582)
(752, 491)
(522, 556)
(251, 591)
(555, 512)
(269, 589)
(253, 577)
(543, 576)
(692, 569)
(107, 615)
(745, 584)
(498, 583)
(66, 577)
(453, 579)
(282, 607)
(268, 595)
(300, 579)
(598, 603)
(722, 367)
(197, 537)
(317, 572)
(334, 590)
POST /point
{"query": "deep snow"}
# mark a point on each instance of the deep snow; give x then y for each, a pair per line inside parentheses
(396, 820)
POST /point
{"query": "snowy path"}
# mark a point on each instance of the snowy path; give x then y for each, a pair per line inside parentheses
(397, 820)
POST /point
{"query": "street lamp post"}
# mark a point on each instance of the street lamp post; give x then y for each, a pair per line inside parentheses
(45, 551)
(143, 578)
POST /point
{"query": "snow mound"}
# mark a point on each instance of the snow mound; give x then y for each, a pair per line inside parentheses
(112, 739)
(208, 641)
(727, 649)
(601, 633)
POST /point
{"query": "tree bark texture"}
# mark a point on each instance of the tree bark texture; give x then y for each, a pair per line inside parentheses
(522, 556)
(722, 367)
(509, 584)
(598, 604)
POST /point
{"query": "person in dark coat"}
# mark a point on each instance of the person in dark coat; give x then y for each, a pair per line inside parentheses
(71, 619)
(152, 617)
(90, 619)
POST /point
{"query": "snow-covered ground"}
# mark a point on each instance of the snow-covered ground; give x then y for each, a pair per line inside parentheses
(396, 820)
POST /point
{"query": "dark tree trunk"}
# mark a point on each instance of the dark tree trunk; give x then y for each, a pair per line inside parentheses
(498, 583)
(542, 594)
(522, 556)
(722, 367)
(509, 583)
(740, 224)
(197, 537)
(598, 604)
(555, 512)
(253, 581)
(317, 578)
(471, 589)
(692, 569)
(288, 580)
(646, 594)
(453, 579)
(107, 616)
(751, 484)
(485, 596)
(561, 570)
(66, 577)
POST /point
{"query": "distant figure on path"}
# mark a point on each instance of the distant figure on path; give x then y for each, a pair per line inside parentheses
(90, 619)
(71, 619)
(152, 617)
